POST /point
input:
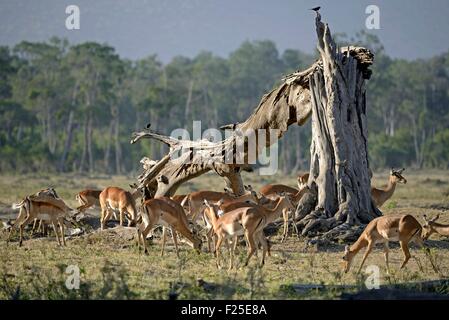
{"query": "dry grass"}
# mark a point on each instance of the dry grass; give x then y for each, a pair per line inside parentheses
(111, 267)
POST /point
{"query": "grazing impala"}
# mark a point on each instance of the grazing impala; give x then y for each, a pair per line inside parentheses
(380, 196)
(168, 213)
(402, 228)
(431, 226)
(31, 210)
(114, 198)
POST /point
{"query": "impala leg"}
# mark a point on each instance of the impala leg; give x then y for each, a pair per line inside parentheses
(61, 225)
(252, 247)
(209, 236)
(285, 233)
(367, 252)
(229, 248)
(235, 243)
(217, 250)
(122, 217)
(104, 216)
(264, 242)
(35, 225)
(386, 250)
(139, 233)
(55, 229)
(405, 250)
(164, 238)
(22, 226)
(175, 241)
(144, 234)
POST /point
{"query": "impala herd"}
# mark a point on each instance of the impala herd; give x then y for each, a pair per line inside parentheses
(222, 216)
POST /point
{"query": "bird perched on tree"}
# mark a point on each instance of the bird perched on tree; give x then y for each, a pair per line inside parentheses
(148, 125)
(318, 15)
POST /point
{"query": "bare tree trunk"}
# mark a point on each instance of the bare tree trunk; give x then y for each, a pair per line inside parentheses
(339, 164)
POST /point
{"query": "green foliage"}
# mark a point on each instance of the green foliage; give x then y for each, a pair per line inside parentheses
(73, 107)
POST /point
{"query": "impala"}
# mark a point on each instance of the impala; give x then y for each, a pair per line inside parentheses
(430, 227)
(256, 218)
(31, 210)
(114, 198)
(380, 196)
(168, 213)
(88, 198)
(302, 180)
(196, 200)
(227, 228)
(269, 204)
(402, 228)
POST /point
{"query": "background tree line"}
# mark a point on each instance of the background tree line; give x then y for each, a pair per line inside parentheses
(72, 108)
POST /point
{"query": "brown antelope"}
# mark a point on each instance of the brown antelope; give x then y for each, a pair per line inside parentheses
(196, 200)
(266, 203)
(380, 196)
(402, 228)
(302, 180)
(255, 219)
(115, 198)
(431, 226)
(272, 191)
(168, 213)
(47, 195)
(88, 198)
(227, 228)
(31, 210)
(249, 221)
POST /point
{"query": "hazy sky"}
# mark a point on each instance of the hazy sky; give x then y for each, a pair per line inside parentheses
(136, 28)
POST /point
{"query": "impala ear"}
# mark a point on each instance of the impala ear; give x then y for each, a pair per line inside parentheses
(402, 170)
(346, 249)
(391, 171)
(206, 203)
(219, 203)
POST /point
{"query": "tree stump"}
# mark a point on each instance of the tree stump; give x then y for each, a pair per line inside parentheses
(339, 203)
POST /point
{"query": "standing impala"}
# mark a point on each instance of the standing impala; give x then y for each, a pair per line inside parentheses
(431, 226)
(114, 198)
(168, 213)
(402, 228)
(380, 196)
(269, 204)
(31, 210)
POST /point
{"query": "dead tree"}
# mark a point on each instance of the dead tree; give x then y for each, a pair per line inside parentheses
(332, 93)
